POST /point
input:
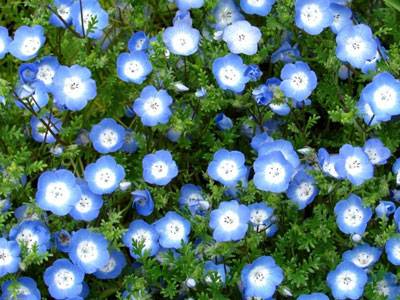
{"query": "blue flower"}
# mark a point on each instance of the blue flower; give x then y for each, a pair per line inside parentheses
(385, 209)
(363, 256)
(341, 17)
(27, 42)
(63, 8)
(298, 81)
(107, 136)
(159, 168)
(261, 216)
(285, 53)
(351, 215)
(41, 132)
(88, 250)
(31, 234)
(182, 16)
(272, 172)
(354, 164)
(114, 266)
(23, 288)
(191, 197)
(130, 145)
(141, 238)
(329, 163)
(241, 37)
(143, 202)
(258, 7)
(138, 42)
(229, 221)
(34, 95)
(9, 257)
(388, 286)
(104, 176)
(173, 135)
(365, 111)
(87, 208)
(5, 40)
(46, 70)
(225, 13)
(253, 72)
(63, 279)
(133, 67)
(173, 230)
(220, 270)
(27, 72)
(227, 167)
(62, 240)
(396, 169)
(229, 73)
(355, 45)
(153, 107)
(73, 87)
(302, 189)
(347, 281)
(283, 146)
(94, 18)
(392, 249)
(261, 277)
(223, 122)
(313, 296)
(376, 151)
(260, 140)
(57, 191)
(313, 15)
(181, 39)
(189, 4)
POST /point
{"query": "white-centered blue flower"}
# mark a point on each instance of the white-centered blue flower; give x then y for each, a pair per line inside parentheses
(24, 288)
(261, 216)
(32, 95)
(5, 40)
(313, 15)
(396, 170)
(189, 4)
(107, 136)
(377, 153)
(261, 277)
(386, 208)
(392, 249)
(94, 17)
(191, 197)
(351, 215)
(225, 13)
(328, 163)
(63, 8)
(9, 257)
(88, 250)
(313, 296)
(138, 42)
(141, 238)
(181, 39)
(229, 71)
(302, 189)
(27, 42)
(219, 270)
(347, 281)
(355, 45)
(134, 66)
(241, 37)
(62, 240)
(104, 176)
(57, 191)
(114, 266)
(341, 17)
(283, 146)
(388, 286)
(159, 168)
(31, 234)
(42, 133)
(257, 7)
(298, 81)
(73, 87)
(363, 256)
(63, 279)
(227, 167)
(173, 230)
(229, 221)
(87, 208)
(153, 106)
(46, 70)
(259, 140)
(142, 202)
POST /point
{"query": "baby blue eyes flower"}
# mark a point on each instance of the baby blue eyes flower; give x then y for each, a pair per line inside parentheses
(354, 164)
(220, 271)
(302, 189)
(25, 289)
(159, 168)
(63, 279)
(229, 221)
(260, 140)
(88, 206)
(138, 42)
(189, 4)
(225, 13)
(31, 234)
(191, 197)
(181, 39)
(257, 7)
(46, 70)
(384, 209)
(88, 250)
(114, 266)
(298, 81)
(62, 240)
(261, 277)
(355, 45)
(313, 15)
(229, 71)
(351, 215)
(341, 17)
(95, 18)
(392, 249)
(27, 72)
(27, 42)
(57, 192)
(9, 257)
(5, 40)
(388, 287)
(241, 37)
(104, 176)
(41, 132)
(377, 153)
(285, 53)
(363, 256)
(107, 136)
(313, 296)
(283, 146)
(253, 72)
(173, 230)
(133, 67)
(143, 202)
(223, 122)
(153, 106)
(73, 87)
(63, 8)
(143, 237)
(227, 167)
(347, 281)
(261, 216)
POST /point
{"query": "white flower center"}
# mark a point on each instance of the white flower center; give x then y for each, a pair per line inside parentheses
(153, 106)
(256, 3)
(87, 251)
(84, 204)
(143, 237)
(5, 257)
(372, 155)
(275, 173)
(2, 45)
(353, 165)
(258, 216)
(383, 288)
(159, 169)
(30, 45)
(182, 41)
(229, 221)
(110, 266)
(28, 238)
(346, 280)
(74, 87)
(353, 216)
(259, 276)
(175, 230)
(311, 15)
(64, 279)
(22, 290)
(105, 178)
(64, 11)
(225, 16)
(229, 75)
(228, 169)
(57, 193)
(304, 191)
(396, 251)
(108, 138)
(299, 81)
(133, 69)
(363, 259)
(45, 74)
(139, 44)
(385, 97)
(355, 46)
